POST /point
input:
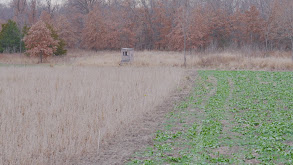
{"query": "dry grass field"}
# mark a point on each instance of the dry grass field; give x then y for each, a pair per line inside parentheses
(230, 60)
(224, 60)
(49, 115)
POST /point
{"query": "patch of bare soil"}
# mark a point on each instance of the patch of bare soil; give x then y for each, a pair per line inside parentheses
(225, 150)
(254, 160)
(139, 134)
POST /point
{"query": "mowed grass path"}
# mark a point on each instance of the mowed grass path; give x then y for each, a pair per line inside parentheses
(232, 117)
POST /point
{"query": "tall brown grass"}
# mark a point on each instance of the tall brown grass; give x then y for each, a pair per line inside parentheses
(49, 115)
(225, 60)
(230, 60)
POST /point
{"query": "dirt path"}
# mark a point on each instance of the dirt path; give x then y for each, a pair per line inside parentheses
(141, 133)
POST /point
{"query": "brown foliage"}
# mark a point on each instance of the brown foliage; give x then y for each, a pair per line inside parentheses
(94, 33)
(127, 33)
(176, 36)
(163, 22)
(65, 30)
(46, 17)
(199, 29)
(109, 30)
(253, 25)
(39, 41)
(166, 24)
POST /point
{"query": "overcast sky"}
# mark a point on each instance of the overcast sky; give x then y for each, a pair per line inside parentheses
(53, 1)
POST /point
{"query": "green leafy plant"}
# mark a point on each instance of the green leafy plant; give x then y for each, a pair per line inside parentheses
(233, 117)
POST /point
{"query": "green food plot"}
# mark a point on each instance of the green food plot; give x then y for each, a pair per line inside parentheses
(232, 117)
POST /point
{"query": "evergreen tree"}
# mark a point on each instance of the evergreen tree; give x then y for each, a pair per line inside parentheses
(10, 38)
(25, 30)
(61, 43)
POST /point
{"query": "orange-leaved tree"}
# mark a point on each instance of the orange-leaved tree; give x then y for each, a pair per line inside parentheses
(163, 24)
(127, 31)
(178, 35)
(39, 41)
(111, 21)
(199, 29)
(94, 32)
(65, 31)
(254, 24)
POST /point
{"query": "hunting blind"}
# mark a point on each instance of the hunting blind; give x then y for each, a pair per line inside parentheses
(127, 55)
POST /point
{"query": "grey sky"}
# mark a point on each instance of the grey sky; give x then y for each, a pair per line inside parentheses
(53, 1)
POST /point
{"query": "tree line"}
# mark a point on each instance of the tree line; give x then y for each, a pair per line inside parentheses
(158, 24)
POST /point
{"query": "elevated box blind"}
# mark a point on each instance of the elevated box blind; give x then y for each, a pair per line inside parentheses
(127, 55)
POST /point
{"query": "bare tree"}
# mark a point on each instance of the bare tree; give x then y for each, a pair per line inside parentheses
(20, 15)
(6, 12)
(147, 26)
(33, 11)
(287, 21)
(20, 11)
(83, 6)
(50, 7)
(185, 22)
(269, 11)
